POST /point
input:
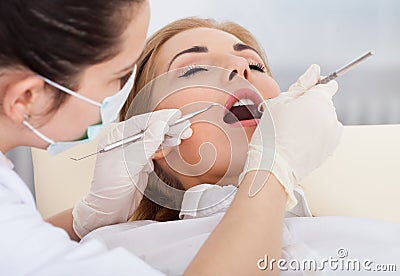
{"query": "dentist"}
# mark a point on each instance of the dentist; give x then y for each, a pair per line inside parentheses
(66, 69)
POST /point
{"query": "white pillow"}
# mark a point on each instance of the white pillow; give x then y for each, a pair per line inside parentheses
(362, 178)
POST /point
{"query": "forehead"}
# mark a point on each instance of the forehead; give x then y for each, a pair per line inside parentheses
(213, 39)
(203, 34)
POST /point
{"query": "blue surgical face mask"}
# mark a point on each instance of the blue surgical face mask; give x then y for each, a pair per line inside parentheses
(109, 110)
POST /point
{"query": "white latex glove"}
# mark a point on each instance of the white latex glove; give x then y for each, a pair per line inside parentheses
(306, 132)
(116, 190)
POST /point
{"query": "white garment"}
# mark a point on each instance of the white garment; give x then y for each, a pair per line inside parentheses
(170, 246)
(30, 246)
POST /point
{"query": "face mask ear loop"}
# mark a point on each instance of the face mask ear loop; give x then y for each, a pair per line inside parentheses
(70, 92)
(34, 130)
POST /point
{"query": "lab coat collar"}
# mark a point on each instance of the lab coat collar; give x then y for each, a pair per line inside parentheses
(4, 161)
(206, 199)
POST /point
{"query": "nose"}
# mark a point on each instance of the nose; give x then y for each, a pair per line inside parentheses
(239, 67)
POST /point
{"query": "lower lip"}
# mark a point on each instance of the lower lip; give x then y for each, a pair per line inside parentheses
(246, 123)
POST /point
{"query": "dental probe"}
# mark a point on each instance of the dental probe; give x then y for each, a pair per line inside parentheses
(137, 137)
(335, 74)
(345, 68)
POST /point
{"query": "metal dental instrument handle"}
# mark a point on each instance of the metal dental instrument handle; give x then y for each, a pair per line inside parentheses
(335, 74)
(345, 68)
(137, 137)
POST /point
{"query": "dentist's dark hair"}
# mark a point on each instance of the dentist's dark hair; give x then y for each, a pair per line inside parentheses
(58, 39)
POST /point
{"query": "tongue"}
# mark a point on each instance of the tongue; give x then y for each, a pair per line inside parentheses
(242, 113)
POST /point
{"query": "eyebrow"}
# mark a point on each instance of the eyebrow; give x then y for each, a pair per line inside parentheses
(194, 49)
(238, 47)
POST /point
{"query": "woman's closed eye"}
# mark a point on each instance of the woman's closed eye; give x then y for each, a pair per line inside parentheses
(192, 70)
(257, 66)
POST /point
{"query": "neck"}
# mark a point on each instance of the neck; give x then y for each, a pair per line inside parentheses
(194, 181)
(12, 135)
(7, 136)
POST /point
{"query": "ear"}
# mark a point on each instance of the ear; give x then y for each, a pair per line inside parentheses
(162, 153)
(20, 96)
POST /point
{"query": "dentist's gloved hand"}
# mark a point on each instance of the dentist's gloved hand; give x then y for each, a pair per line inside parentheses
(116, 190)
(306, 132)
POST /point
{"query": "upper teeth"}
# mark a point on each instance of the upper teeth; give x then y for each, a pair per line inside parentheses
(243, 102)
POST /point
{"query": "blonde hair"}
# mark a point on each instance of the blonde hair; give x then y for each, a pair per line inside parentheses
(147, 209)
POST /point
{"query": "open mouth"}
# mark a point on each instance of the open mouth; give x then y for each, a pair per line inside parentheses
(242, 107)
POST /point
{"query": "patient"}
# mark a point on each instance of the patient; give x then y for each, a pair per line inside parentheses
(216, 153)
(206, 45)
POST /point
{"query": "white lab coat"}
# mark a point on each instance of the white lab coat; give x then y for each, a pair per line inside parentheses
(30, 246)
(170, 246)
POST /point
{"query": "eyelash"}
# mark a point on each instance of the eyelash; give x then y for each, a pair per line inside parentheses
(191, 70)
(257, 66)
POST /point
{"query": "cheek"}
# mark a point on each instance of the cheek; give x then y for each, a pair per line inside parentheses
(206, 143)
(68, 124)
(189, 100)
(268, 87)
(217, 151)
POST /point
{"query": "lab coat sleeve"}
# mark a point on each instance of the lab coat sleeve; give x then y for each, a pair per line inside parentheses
(30, 246)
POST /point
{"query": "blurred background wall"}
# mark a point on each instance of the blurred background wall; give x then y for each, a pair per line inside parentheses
(296, 34)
